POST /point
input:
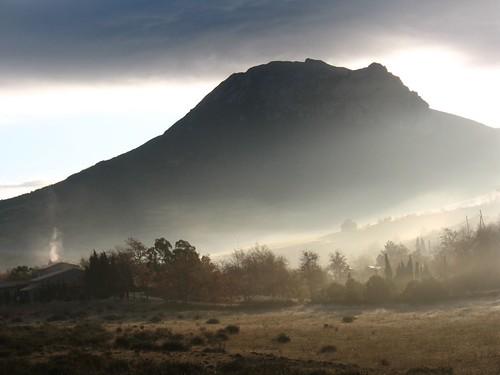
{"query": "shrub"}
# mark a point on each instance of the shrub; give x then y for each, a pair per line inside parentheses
(333, 293)
(232, 329)
(425, 291)
(197, 341)
(430, 371)
(215, 349)
(378, 290)
(91, 334)
(221, 335)
(156, 318)
(354, 291)
(328, 349)
(174, 346)
(348, 319)
(212, 321)
(282, 338)
(56, 318)
(217, 337)
(177, 336)
(112, 317)
(144, 340)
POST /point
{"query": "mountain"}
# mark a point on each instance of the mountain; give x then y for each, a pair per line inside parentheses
(284, 148)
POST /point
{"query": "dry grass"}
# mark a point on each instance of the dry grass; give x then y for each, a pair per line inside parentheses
(464, 336)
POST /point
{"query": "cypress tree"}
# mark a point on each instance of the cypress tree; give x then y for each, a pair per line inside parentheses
(387, 267)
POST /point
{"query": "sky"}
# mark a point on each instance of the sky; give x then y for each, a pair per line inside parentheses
(83, 81)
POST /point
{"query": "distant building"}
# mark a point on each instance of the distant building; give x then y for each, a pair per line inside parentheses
(58, 281)
(9, 291)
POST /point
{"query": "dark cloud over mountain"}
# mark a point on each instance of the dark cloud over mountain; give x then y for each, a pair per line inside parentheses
(116, 39)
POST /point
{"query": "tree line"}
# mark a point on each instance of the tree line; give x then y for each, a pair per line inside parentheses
(465, 262)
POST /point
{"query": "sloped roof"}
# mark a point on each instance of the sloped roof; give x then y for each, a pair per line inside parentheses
(54, 267)
(13, 284)
(55, 273)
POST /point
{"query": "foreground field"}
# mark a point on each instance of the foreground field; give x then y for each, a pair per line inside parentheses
(114, 337)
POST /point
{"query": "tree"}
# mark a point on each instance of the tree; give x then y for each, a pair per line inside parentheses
(397, 253)
(144, 277)
(338, 266)
(20, 273)
(387, 267)
(163, 249)
(410, 268)
(96, 275)
(257, 272)
(311, 271)
(122, 272)
(181, 278)
(109, 274)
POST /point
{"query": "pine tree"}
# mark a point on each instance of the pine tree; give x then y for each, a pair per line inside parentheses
(409, 268)
(387, 268)
(422, 245)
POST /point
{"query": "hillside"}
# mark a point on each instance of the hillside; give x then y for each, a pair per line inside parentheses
(285, 147)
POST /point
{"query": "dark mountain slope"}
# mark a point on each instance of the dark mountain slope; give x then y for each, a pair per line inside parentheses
(284, 147)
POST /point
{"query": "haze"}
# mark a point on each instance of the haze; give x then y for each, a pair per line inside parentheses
(239, 187)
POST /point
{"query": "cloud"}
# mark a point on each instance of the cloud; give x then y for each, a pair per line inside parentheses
(128, 39)
(25, 185)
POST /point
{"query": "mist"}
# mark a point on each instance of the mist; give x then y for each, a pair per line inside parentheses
(249, 187)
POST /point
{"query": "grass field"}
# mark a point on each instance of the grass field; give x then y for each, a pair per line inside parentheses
(155, 338)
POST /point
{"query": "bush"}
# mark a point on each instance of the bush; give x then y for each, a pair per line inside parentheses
(282, 338)
(212, 321)
(156, 318)
(378, 290)
(138, 341)
(91, 334)
(174, 346)
(112, 317)
(354, 291)
(217, 337)
(333, 293)
(145, 340)
(348, 319)
(197, 341)
(232, 329)
(221, 335)
(216, 349)
(57, 318)
(425, 291)
(328, 349)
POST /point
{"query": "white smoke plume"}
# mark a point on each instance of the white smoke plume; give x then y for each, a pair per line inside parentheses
(55, 246)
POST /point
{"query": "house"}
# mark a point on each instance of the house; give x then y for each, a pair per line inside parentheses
(9, 291)
(58, 281)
